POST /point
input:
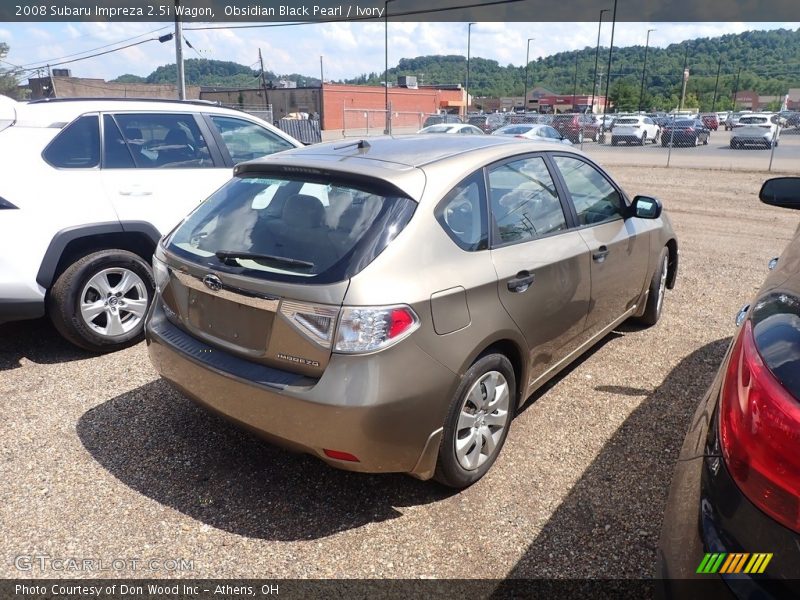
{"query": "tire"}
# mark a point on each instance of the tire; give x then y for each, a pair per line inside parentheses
(459, 465)
(705, 141)
(579, 139)
(655, 296)
(614, 141)
(696, 140)
(105, 284)
(596, 136)
(643, 141)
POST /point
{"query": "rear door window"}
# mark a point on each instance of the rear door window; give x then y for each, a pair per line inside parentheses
(165, 141)
(246, 140)
(77, 146)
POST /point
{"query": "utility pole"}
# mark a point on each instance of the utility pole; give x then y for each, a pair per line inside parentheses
(575, 80)
(527, 61)
(179, 53)
(716, 85)
(644, 68)
(610, 53)
(736, 87)
(597, 56)
(685, 76)
(469, 37)
(321, 73)
(263, 78)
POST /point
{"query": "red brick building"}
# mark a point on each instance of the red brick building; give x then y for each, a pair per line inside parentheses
(339, 104)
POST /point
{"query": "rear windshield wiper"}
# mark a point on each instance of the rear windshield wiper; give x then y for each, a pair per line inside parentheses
(228, 255)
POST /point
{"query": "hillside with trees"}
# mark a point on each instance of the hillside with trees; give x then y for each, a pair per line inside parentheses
(769, 63)
(765, 61)
(201, 71)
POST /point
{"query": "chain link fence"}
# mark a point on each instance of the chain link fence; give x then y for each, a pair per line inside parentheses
(360, 122)
(260, 111)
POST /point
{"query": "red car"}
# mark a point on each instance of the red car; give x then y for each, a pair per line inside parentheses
(577, 127)
(710, 121)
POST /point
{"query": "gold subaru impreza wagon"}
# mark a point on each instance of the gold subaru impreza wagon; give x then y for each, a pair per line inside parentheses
(388, 304)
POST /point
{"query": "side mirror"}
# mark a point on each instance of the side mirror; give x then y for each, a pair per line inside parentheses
(781, 191)
(646, 207)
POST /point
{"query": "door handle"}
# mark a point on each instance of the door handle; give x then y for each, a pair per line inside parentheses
(521, 282)
(600, 254)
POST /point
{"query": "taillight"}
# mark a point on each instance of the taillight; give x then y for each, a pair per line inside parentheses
(369, 329)
(315, 321)
(760, 433)
(5, 204)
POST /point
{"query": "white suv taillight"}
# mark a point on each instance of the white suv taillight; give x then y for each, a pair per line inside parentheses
(371, 328)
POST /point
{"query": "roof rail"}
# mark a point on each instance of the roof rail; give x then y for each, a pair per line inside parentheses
(129, 99)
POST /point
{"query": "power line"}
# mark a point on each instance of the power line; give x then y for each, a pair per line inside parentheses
(66, 62)
(50, 60)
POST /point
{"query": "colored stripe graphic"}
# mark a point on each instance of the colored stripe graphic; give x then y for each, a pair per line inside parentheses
(725, 563)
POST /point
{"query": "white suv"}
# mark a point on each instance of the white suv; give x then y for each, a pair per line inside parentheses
(759, 129)
(89, 187)
(635, 129)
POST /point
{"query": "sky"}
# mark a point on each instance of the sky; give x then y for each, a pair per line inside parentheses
(349, 49)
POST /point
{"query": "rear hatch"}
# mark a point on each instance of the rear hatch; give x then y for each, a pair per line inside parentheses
(261, 268)
(565, 123)
(627, 126)
(754, 127)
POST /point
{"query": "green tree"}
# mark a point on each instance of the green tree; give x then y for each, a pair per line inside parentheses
(9, 86)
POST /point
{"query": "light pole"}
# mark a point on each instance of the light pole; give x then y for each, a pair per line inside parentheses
(716, 85)
(644, 68)
(527, 61)
(575, 84)
(387, 128)
(597, 55)
(610, 53)
(466, 86)
(685, 76)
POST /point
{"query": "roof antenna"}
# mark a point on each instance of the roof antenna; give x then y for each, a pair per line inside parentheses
(360, 144)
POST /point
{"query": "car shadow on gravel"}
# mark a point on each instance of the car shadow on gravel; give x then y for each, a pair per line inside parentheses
(37, 341)
(165, 447)
(609, 524)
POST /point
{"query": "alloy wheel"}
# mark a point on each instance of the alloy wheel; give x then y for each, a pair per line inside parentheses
(113, 302)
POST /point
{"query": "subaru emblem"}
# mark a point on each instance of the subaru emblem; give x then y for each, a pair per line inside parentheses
(212, 282)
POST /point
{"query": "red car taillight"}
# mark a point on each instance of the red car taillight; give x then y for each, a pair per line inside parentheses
(760, 433)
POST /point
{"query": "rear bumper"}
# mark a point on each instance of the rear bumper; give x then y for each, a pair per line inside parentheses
(387, 409)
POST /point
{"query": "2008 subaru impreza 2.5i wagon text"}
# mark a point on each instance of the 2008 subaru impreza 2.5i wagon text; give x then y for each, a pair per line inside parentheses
(388, 304)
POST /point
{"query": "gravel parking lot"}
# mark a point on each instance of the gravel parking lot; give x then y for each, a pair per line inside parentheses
(101, 459)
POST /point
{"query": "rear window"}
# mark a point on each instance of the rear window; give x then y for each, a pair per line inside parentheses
(753, 120)
(292, 229)
(627, 122)
(515, 130)
(77, 146)
(476, 120)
